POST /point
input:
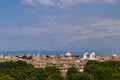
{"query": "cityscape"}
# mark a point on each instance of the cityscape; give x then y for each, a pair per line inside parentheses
(63, 62)
(59, 39)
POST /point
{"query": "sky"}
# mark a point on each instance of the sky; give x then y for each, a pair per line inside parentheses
(59, 24)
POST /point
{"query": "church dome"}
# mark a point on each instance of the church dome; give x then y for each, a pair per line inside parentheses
(86, 53)
(68, 53)
(92, 53)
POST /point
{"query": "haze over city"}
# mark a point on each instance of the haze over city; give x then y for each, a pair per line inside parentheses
(59, 24)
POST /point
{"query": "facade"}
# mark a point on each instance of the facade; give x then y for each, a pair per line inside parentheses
(85, 55)
(89, 56)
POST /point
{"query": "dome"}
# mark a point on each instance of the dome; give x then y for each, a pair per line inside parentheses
(92, 53)
(114, 54)
(86, 53)
(68, 53)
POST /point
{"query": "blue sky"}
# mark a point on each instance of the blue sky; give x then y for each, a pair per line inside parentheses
(59, 24)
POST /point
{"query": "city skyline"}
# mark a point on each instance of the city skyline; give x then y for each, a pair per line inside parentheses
(59, 24)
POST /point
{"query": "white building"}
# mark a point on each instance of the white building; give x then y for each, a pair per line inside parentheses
(68, 54)
(89, 56)
(92, 55)
(86, 55)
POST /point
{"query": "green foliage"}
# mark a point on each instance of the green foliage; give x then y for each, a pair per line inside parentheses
(39, 74)
(116, 76)
(74, 74)
(23, 71)
(72, 70)
(50, 70)
(108, 70)
(80, 76)
(94, 70)
(55, 76)
(6, 77)
(14, 65)
(18, 70)
(53, 73)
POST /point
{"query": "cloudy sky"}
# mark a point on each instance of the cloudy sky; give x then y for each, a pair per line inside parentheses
(59, 24)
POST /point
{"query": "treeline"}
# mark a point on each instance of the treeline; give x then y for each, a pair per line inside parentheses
(23, 71)
(94, 70)
(109, 70)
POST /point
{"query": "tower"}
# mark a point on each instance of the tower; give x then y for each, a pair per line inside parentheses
(38, 57)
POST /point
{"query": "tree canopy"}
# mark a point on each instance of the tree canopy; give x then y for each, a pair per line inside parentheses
(93, 70)
(21, 70)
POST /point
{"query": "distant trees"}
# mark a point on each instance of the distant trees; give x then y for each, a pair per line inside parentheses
(50, 70)
(72, 70)
(108, 70)
(53, 73)
(74, 74)
(18, 70)
(23, 71)
(94, 70)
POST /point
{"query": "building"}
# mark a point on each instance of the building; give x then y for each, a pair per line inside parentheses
(92, 55)
(114, 56)
(85, 55)
(89, 56)
(68, 54)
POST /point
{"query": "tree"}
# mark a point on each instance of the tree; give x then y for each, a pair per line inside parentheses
(55, 77)
(107, 70)
(50, 70)
(39, 74)
(6, 77)
(72, 70)
(115, 76)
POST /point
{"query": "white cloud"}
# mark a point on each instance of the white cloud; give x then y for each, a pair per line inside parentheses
(66, 3)
(97, 29)
(30, 2)
(46, 2)
(92, 28)
(22, 32)
(112, 1)
(66, 33)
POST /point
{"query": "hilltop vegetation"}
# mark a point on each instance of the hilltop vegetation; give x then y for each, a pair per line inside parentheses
(23, 71)
(109, 70)
(94, 70)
